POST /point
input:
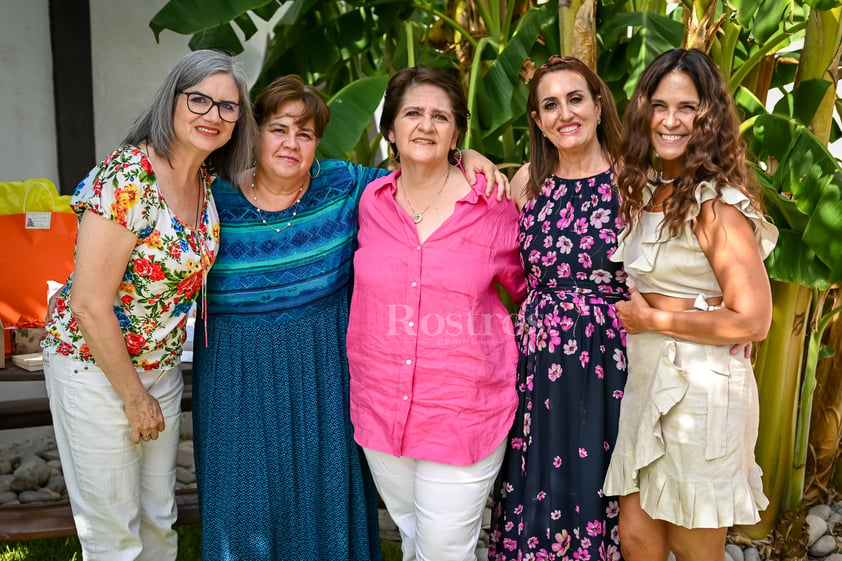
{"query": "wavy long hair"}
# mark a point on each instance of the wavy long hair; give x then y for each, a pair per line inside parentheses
(543, 154)
(715, 150)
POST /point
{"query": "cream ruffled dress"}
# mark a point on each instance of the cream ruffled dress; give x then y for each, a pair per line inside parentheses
(689, 415)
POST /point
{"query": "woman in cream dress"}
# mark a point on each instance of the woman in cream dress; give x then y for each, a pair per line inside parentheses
(693, 250)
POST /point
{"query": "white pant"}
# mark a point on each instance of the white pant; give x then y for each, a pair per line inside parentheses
(122, 494)
(437, 507)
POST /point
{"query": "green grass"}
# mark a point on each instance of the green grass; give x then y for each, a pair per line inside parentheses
(67, 549)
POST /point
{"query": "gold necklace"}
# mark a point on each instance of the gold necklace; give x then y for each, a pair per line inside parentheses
(418, 216)
(260, 212)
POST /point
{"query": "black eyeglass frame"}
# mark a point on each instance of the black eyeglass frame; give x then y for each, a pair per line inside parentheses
(213, 103)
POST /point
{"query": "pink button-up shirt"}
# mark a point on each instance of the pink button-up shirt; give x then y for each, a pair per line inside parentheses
(431, 347)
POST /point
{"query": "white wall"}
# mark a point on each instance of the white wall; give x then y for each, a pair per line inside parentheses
(128, 65)
(27, 119)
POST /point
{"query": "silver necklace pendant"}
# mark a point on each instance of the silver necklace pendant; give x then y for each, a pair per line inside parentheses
(417, 217)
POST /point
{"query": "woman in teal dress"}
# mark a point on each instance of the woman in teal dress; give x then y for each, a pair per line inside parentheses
(279, 473)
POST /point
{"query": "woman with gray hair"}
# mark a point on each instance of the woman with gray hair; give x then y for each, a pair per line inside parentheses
(148, 233)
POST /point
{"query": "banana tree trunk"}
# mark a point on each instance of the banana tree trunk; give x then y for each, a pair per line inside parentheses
(826, 424)
(820, 59)
(778, 371)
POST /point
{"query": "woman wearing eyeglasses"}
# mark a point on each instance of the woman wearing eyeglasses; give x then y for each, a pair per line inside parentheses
(148, 234)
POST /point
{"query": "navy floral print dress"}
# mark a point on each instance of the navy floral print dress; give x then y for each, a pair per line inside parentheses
(548, 501)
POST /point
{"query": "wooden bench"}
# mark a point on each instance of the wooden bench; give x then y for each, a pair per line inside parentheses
(49, 520)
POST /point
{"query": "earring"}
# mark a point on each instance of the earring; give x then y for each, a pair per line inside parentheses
(458, 156)
(318, 169)
(397, 154)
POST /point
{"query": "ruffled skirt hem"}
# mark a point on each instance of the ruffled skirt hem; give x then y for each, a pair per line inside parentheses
(691, 504)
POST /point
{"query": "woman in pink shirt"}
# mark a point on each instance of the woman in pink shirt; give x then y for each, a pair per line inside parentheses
(431, 347)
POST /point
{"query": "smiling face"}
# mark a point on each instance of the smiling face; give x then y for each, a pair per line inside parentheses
(675, 103)
(205, 133)
(567, 112)
(424, 129)
(287, 148)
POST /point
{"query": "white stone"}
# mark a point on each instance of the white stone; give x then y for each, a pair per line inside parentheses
(6, 497)
(56, 483)
(824, 546)
(50, 455)
(822, 511)
(816, 528)
(183, 475)
(184, 458)
(734, 551)
(38, 496)
(751, 554)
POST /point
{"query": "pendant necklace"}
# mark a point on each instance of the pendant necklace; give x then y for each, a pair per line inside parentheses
(418, 216)
(659, 179)
(260, 212)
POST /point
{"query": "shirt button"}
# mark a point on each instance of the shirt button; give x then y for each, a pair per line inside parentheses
(418, 247)
(414, 284)
(405, 397)
(412, 324)
(409, 361)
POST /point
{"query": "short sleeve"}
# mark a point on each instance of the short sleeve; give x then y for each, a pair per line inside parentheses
(121, 189)
(765, 233)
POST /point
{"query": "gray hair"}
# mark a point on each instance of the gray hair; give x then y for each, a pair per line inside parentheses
(155, 124)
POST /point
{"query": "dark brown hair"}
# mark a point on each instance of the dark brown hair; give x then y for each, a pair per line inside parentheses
(543, 154)
(415, 76)
(715, 151)
(292, 88)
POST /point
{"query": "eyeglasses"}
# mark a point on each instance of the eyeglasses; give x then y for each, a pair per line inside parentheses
(200, 104)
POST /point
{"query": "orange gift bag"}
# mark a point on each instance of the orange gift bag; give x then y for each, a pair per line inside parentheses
(37, 237)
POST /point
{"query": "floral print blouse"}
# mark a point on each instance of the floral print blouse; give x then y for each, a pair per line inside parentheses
(166, 271)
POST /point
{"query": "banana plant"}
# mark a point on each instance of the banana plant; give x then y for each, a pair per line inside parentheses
(804, 199)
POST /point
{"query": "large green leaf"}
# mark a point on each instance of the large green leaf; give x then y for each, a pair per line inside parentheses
(222, 38)
(654, 35)
(327, 44)
(822, 5)
(350, 114)
(745, 10)
(768, 19)
(805, 270)
(503, 93)
(808, 175)
(193, 16)
(804, 100)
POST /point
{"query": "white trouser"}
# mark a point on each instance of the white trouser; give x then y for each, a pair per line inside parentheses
(437, 507)
(122, 494)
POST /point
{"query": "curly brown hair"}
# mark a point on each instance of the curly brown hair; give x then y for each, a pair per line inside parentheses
(715, 150)
(543, 154)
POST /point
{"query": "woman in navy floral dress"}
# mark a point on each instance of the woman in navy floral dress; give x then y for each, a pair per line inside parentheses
(548, 503)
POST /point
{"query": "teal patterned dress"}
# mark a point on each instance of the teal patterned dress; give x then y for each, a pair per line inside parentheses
(279, 474)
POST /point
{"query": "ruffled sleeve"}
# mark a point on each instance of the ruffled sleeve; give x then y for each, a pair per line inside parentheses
(765, 233)
(619, 255)
(119, 189)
